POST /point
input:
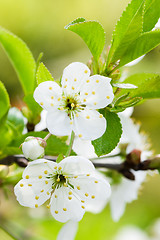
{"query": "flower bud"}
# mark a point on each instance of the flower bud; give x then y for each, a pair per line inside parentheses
(33, 148)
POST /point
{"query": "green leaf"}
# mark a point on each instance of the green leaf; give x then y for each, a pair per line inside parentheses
(151, 14)
(55, 145)
(33, 106)
(91, 32)
(142, 45)
(16, 118)
(128, 28)
(148, 85)
(43, 74)
(21, 58)
(4, 101)
(111, 137)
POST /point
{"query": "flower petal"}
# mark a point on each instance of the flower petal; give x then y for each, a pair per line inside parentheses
(68, 231)
(124, 193)
(37, 168)
(58, 123)
(89, 124)
(32, 193)
(76, 165)
(74, 76)
(97, 92)
(48, 94)
(66, 207)
(93, 190)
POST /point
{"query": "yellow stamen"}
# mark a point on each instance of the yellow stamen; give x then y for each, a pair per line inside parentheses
(87, 81)
(21, 185)
(80, 135)
(86, 93)
(50, 88)
(30, 185)
(100, 116)
(56, 212)
(97, 81)
(86, 71)
(108, 97)
(45, 172)
(69, 198)
(83, 207)
(65, 209)
(27, 176)
(36, 205)
(48, 206)
(36, 197)
(78, 187)
(46, 182)
(93, 197)
(88, 117)
(40, 177)
(86, 194)
(93, 93)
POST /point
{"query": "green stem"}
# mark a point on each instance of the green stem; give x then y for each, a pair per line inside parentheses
(6, 230)
(70, 144)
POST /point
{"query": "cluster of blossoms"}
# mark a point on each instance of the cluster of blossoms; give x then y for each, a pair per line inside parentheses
(73, 185)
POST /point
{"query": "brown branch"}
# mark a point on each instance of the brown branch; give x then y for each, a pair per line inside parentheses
(125, 168)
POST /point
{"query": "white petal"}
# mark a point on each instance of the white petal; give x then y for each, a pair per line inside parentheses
(58, 123)
(76, 165)
(35, 187)
(124, 193)
(125, 85)
(31, 193)
(89, 124)
(93, 189)
(134, 62)
(97, 92)
(68, 231)
(74, 76)
(47, 95)
(65, 207)
(40, 167)
(83, 148)
(42, 124)
(131, 233)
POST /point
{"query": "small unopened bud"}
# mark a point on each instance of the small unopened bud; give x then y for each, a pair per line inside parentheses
(33, 148)
(134, 157)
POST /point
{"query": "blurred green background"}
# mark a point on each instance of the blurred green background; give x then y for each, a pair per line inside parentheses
(41, 25)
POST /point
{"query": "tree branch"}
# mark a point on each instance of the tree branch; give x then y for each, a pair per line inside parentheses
(124, 168)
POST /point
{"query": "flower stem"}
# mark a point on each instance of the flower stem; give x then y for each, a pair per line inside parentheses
(47, 136)
(6, 230)
(70, 144)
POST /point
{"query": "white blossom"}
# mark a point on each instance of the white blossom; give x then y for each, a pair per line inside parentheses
(72, 185)
(68, 231)
(125, 191)
(33, 148)
(72, 107)
(131, 233)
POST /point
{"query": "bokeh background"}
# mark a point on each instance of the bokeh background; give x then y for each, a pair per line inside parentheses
(41, 25)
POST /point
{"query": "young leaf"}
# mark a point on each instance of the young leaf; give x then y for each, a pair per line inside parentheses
(43, 74)
(128, 28)
(111, 137)
(16, 118)
(148, 85)
(4, 101)
(142, 45)
(151, 14)
(33, 106)
(21, 58)
(91, 32)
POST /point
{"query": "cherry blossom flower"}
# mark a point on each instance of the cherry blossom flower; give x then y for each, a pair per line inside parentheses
(125, 191)
(72, 107)
(72, 185)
